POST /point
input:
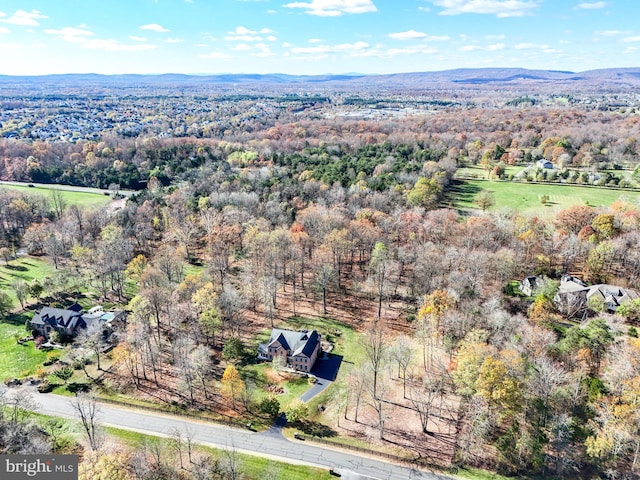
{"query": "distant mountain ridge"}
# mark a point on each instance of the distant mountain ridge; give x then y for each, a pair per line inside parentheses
(498, 77)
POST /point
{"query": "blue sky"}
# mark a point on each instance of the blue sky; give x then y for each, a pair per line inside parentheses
(314, 36)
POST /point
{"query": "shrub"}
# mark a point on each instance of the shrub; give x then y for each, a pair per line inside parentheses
(270, 406)
(45, 387)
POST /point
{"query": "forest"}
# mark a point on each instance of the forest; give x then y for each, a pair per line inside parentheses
(254, 213)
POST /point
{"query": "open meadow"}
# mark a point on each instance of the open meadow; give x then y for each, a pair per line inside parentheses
(71, 197)
(527, 197)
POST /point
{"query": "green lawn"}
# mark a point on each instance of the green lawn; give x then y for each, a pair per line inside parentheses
(17, 360)
(84, 199)
(347, 343)
(25, 268)
(526, 197)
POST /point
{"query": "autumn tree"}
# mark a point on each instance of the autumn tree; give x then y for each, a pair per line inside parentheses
(232, 384)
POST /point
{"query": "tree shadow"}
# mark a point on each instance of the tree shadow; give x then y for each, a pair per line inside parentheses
(460, 192)
(18, 268)
(17, 319)
(316, 429)
(76, 387)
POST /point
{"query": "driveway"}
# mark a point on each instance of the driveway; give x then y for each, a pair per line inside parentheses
(325, 370)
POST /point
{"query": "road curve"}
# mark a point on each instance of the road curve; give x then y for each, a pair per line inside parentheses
(270, 444)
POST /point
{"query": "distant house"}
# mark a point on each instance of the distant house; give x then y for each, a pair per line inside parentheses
(299, 350)
(543, 163)
(573, 295)
(69, 322)
(531, 284)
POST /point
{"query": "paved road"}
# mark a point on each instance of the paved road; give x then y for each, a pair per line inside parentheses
(270, 443)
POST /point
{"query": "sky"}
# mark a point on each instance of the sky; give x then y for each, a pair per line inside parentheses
(311, 37)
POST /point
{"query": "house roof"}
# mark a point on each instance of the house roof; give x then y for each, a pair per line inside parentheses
(303, 342)
(56, 317)
(612, 293)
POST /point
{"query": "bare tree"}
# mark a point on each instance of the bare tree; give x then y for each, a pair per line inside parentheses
(375, 350)
(323, 279)
(423, 396)
(231, 463)
(57, 202)
(402, 353)
(88, 411)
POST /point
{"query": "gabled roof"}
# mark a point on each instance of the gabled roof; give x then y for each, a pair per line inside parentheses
(297, 343)
(56, 317)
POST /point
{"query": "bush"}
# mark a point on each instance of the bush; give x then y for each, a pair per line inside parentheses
(270, 406)
(297, 411)
(233, 349)
(45, 387)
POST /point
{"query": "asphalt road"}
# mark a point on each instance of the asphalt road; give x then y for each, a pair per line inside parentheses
(269, 444)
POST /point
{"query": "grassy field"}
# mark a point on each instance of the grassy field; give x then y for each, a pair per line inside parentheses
(84, 199)
(345, 341)
(526, 197)
(25, 268)
(17, 360)
(252, 467)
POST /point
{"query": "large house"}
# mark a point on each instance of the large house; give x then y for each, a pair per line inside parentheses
(68, 322)
(573, 295)
(299, 350)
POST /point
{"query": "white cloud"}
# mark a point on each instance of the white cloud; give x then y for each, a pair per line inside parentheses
(590, 5)
(243, 31)
(137, 39)
(23, 18)
(526, 46)
(631, 50)
(154, 27)
(413, 35)
(315, 40)
(4, 30)
(241, 47)
(408, 35)
(84, 38)
(353, 48)
(631, 39)
(243, 34)
(217, 55)
(174, 40)
(500, 8)
(393, 52)
(116, 46)
(262, 50)
(495, 47)
(334, 8)
(469, 48)
(611, 33)
(71, 34)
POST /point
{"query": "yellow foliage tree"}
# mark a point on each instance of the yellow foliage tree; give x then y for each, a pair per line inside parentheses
(232, 385)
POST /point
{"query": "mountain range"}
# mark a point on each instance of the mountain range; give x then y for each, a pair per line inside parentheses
(623, 79)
